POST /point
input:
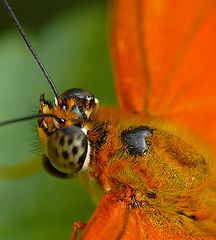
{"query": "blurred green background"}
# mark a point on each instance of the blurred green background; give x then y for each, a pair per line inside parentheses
(71, 39)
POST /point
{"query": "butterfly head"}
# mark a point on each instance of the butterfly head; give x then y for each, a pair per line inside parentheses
(64, 139)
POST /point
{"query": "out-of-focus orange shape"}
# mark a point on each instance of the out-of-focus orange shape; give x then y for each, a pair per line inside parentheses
(164, 58)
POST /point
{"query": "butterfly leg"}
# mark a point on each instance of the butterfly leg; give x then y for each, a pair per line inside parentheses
(78, 225)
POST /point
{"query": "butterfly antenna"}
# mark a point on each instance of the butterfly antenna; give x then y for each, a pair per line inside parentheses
(30, 47)
(26, 118)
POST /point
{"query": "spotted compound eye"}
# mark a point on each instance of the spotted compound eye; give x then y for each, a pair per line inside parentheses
(78, 93)
(68, 150)
(87, 103)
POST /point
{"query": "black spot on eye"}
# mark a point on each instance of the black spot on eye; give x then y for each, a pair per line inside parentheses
(70, 140)
(62, 140)
(65, 154)
(71, 164)
(74, 150)
(56, 152)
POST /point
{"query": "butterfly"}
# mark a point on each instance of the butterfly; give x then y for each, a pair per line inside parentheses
(158, 105)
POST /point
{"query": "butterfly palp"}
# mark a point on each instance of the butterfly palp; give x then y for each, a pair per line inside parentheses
(65, 140)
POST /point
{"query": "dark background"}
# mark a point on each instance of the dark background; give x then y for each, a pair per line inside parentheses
(71, 39)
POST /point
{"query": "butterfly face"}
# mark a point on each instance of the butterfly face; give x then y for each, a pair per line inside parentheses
(65, 140)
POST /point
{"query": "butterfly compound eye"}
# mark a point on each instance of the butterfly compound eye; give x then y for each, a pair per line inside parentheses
(79, 93)
(86, 102)
(68, 149)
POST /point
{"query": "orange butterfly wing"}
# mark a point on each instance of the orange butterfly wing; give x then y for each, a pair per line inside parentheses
(113, 219)
(104, 222)
(165, 66)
